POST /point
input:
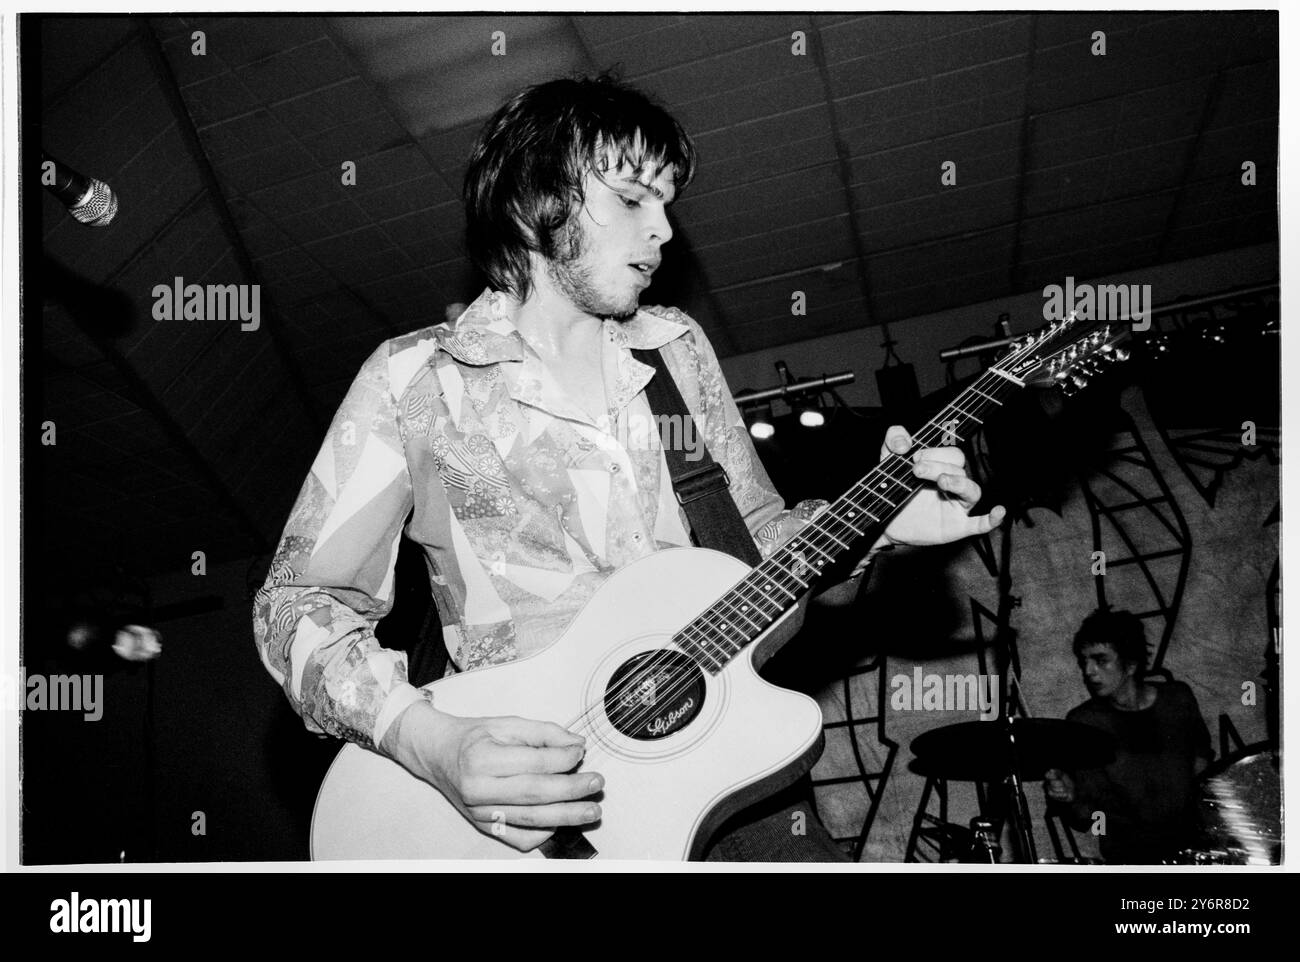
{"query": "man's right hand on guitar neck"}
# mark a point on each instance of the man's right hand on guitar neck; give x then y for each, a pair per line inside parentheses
(511, 777)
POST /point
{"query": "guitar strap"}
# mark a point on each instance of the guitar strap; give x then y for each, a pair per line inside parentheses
(700, 485)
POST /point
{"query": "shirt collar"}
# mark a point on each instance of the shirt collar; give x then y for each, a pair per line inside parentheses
(486, 334)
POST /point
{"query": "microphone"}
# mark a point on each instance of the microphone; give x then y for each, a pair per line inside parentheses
(89, 200)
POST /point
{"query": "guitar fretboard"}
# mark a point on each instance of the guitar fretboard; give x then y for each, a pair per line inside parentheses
(775, 586)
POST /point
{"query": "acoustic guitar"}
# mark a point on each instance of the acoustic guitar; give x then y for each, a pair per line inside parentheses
(668, 696)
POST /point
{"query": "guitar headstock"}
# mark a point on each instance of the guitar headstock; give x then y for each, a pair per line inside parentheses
(1066, 354)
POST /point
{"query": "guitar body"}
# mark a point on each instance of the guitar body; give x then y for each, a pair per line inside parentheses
(691, 756)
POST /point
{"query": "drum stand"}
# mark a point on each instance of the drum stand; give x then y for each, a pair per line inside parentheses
(1017, 813)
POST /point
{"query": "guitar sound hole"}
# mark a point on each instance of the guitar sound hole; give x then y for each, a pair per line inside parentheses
(655, 694)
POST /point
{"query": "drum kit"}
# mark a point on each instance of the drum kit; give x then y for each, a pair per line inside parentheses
(1007, 753)
(1240, 796)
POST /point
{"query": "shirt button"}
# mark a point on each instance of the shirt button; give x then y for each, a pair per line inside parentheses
(636, 537)
(613, 469)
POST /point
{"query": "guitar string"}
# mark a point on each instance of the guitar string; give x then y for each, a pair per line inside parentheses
(725, 609)
(809, 536)
(728, 647)
(832, 517)
(940, 424)
(601, 739)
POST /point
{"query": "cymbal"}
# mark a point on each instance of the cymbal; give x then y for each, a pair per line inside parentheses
(1241, 806)
(980, 751)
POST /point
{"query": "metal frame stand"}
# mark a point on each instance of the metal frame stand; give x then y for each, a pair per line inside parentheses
(946, 840)
(1132, 451)
(873, 782)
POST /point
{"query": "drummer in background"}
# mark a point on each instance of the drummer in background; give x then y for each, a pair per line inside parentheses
(1147, 796)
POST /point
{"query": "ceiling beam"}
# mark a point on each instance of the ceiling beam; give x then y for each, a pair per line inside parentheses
(843, 169)
(1189, 162)
(271, 321)
(1026, 147)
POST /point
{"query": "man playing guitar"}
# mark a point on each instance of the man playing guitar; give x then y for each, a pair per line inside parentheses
(506, 444)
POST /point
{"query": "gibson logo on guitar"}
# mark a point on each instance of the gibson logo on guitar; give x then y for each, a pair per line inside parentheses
(663, 724)
(633, 695)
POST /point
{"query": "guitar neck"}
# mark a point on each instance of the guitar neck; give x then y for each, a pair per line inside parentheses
(775, 586)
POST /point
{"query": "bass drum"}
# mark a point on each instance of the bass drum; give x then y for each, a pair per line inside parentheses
(1241, 810)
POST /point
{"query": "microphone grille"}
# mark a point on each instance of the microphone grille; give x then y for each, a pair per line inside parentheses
(98, 207)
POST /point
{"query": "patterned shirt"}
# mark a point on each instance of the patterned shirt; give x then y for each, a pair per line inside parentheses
(459, 437)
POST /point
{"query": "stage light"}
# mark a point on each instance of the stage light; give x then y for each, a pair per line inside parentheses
(810, 412)
(760, 422)
(811, 418)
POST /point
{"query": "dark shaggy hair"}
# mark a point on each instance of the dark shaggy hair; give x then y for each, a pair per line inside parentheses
(1121, 630)
(525, 174)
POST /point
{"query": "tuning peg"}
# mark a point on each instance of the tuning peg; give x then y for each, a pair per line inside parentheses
(1121, 354)
(1079, 381)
